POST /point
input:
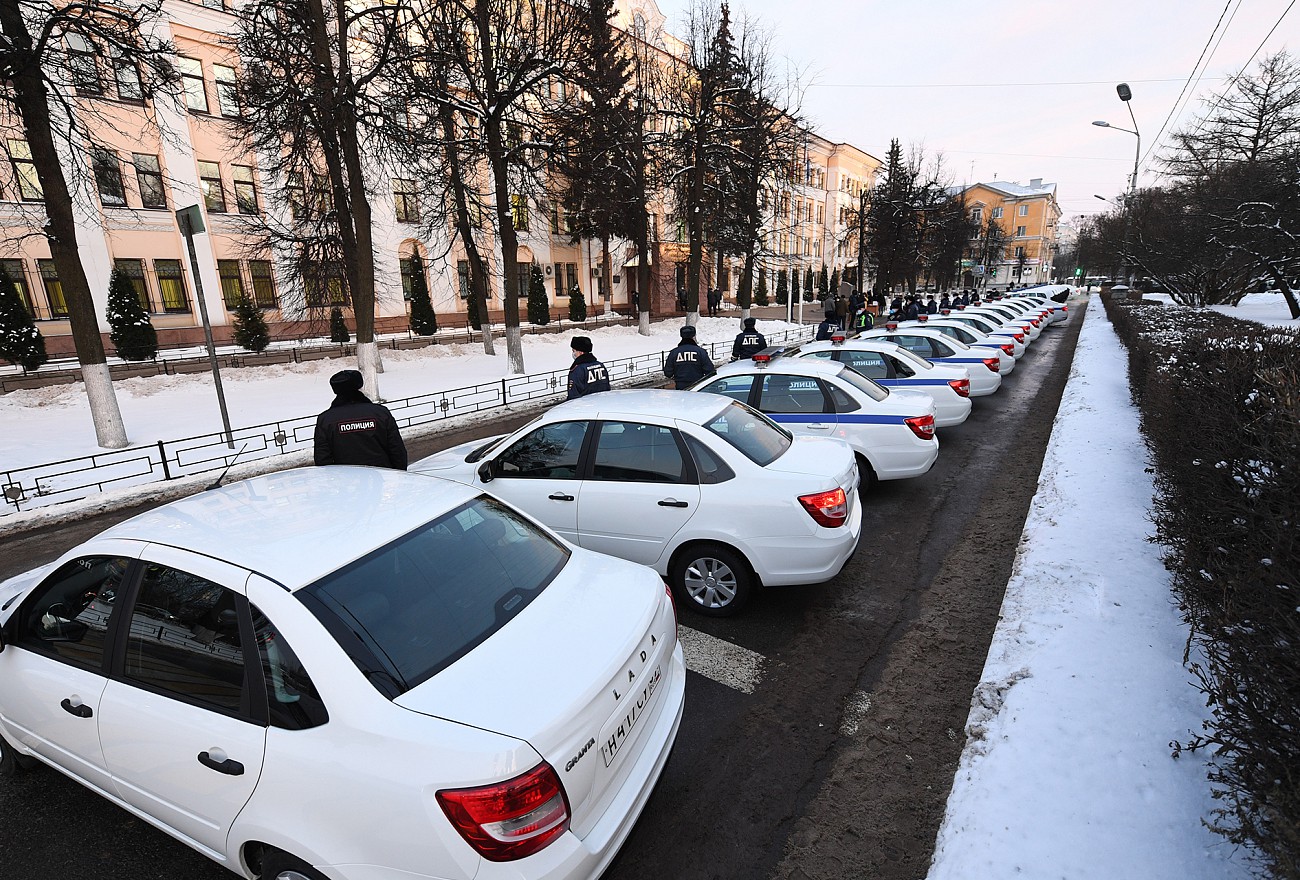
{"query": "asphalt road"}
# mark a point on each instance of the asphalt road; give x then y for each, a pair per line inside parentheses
(830, 757)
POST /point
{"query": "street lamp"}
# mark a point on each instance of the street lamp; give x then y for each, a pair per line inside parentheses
(1126, 95)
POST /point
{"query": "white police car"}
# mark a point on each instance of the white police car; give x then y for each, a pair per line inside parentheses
(982, 364)
(993, 328)
(349, 672)
(1003, 348)
(1009, 318)
(892, 366)
(892, 433)
(707, 492)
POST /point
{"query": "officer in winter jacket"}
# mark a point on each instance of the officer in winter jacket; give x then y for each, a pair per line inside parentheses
(827, 328)
(355, 431)
(688, 363)
(749, 342)
(587, 375)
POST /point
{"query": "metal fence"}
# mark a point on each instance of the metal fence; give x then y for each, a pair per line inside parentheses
(55, 482)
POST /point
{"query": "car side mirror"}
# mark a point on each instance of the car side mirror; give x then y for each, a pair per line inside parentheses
(485, 471)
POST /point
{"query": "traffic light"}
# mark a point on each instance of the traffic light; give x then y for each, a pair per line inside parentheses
(1078, 272)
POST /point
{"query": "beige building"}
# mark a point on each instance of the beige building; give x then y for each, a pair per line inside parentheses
(1030, 218)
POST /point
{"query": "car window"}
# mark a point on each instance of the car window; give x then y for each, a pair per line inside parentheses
(915, 362)
(292, 700)
(707, 464)
(869, 387)
(413, 607)
(783, 393)
(184, 639)
(871, 364)
(919, 345)
(757, 437)
(735, 387)
(549, 452)
(978, 323)
(638, 453)
(67, 615)
(903, 369)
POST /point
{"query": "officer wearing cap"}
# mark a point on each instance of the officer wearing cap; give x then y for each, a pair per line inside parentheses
(688, 363)
(749, 342)
(587, 375)
(356, 431)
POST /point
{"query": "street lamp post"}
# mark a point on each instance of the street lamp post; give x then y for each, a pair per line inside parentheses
(1126, 95)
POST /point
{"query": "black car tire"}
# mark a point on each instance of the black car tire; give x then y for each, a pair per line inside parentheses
(711, 579)
(12, 763)
(279, 865)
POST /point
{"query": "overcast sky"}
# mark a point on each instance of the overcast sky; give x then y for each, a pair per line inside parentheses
(1008, 90)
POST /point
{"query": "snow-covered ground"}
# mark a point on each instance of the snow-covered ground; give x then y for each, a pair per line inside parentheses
(1067, 771)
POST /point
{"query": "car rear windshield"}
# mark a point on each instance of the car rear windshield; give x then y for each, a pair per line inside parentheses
(414, 606)
(760, 439)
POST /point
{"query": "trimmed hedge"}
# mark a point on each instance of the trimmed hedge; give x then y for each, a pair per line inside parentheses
(1220, 403)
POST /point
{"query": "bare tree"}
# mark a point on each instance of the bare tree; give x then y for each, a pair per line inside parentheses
(56, 62)
(319, 113)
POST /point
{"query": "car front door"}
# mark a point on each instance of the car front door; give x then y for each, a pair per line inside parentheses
(52, 676)
(182, 720)
(641, 490)
(538, 473)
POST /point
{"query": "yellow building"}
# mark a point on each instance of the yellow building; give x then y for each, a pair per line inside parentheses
(1029, 216)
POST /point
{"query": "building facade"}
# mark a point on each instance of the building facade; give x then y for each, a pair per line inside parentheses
(1030, 219)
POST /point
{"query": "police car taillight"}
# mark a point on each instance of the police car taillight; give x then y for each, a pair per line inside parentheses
(961, 386)
(1009, 349)
(1018, 337)
(922, 426)
(829, 509)
(991, 363)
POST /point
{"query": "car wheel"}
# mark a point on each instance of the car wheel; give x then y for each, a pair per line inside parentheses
(712, 579)
(11, 762)
(867, 478)
(279, 865)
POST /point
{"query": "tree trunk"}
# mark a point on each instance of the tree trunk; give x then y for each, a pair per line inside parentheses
(32, 100)
(606, 279)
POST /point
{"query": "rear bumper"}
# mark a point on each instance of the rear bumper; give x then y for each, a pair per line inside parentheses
(783, 562)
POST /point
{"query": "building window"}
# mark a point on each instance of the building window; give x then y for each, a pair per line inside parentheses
(232, 284)
(1020, 232)
(83, 66)
(245, 189)
(127, 76)
(462, 278)
(519, 212)
(324, 286)
(148, 177)
(29, 185)
(1022, 211)
(406, 267)
(196, 93)
(404, 201)
(53, 289)
(108, 177)
(214, 4)
(263, 283)
(13, 270)
(214, 197)
(997, 214)
(1020, 252)
(227, 90)
(171, 285)
(977, 214)
(523, 275)
(134, 272)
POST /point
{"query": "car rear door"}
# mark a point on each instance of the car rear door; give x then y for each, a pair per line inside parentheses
(640, 491)
(182, 720)
(798, 402)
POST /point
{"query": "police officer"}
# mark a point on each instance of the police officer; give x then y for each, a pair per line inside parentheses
(749, 342)
(688, 363)
(355, 431)
(827, 328)
(587, 375)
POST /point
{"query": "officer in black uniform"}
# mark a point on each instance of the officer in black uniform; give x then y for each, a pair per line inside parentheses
(355, 431)
(587, 375)
(688, 363)
(749, 342)
(827, 328)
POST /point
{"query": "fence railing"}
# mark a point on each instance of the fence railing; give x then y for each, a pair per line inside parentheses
(55, 482)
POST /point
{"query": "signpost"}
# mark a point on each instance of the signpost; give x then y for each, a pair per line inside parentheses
(191, 223)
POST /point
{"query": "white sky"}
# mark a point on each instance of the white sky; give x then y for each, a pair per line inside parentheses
(1010, 89)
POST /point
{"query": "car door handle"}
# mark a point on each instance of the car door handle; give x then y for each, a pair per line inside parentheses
(217, 760)
(819, 426)
(80, 709)
(669, 502)
(560, 496)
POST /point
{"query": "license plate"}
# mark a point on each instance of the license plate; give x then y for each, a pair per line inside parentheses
(624, 726)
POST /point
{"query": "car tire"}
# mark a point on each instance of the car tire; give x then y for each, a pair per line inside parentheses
(279, 865)
(12, 763)
(867, 478)
(711, 579)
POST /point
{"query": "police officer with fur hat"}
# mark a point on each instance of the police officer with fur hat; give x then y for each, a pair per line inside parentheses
(587, 375)
(749, 342)
(356, 431)
(688, 363)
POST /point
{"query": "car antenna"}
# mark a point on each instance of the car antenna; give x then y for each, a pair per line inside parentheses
(217, 483)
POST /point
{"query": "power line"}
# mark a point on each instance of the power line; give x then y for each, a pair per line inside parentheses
(978, 85)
